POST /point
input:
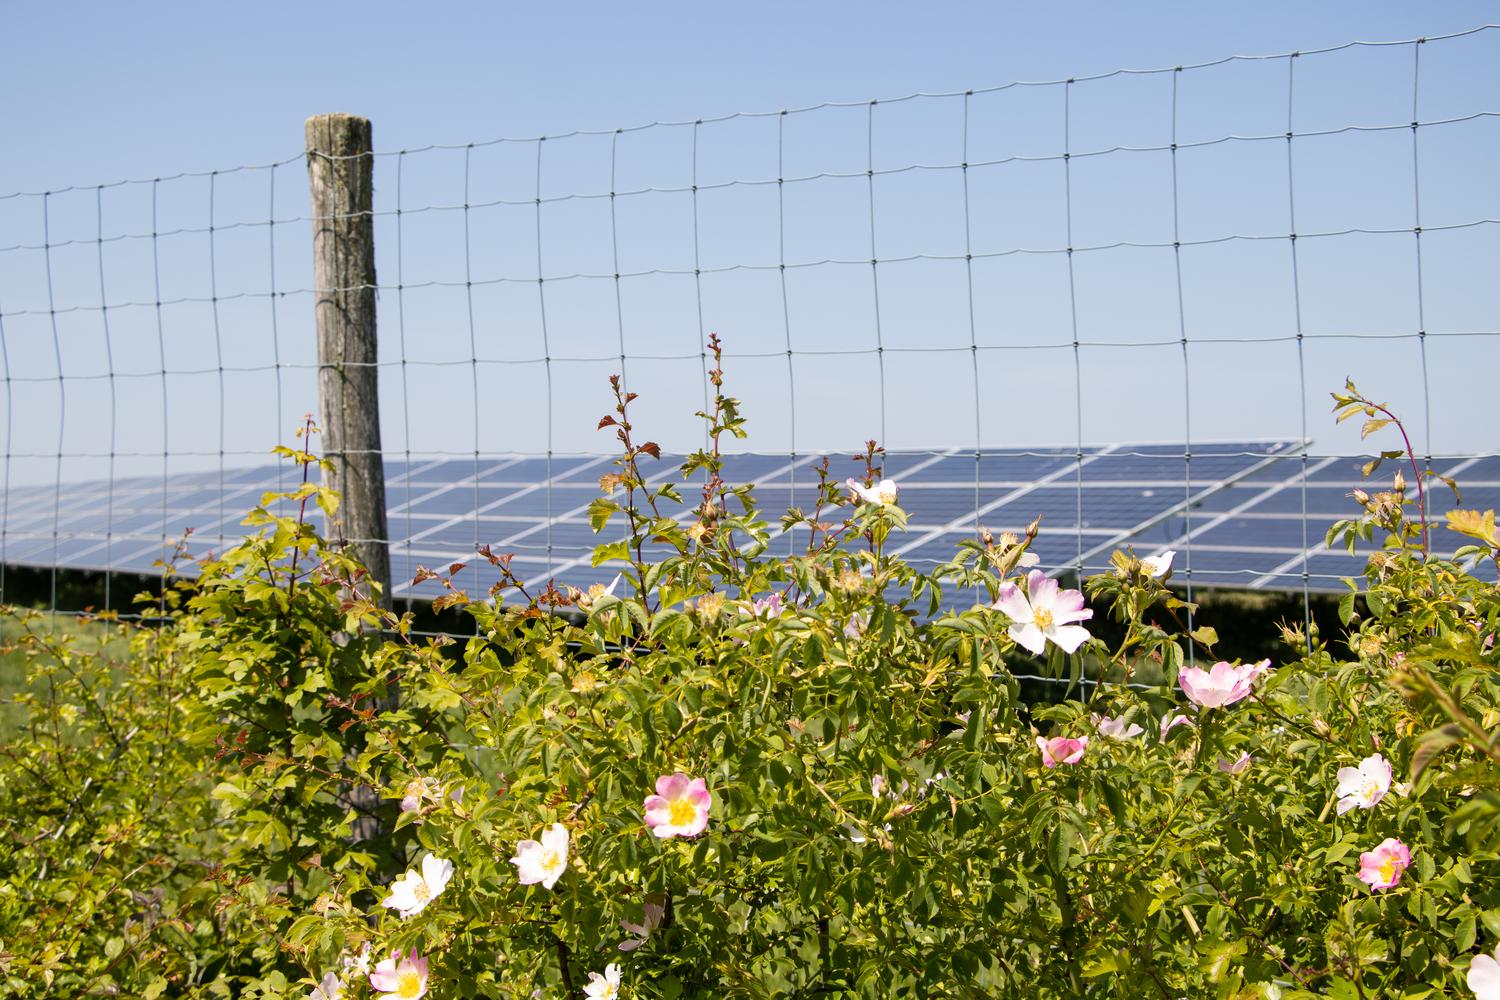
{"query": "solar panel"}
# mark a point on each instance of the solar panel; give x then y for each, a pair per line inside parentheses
(1241, 514)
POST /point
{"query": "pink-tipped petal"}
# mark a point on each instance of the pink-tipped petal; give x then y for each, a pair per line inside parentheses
(671, 786)
(1013, 603)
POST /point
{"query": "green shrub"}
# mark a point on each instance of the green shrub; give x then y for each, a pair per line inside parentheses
(524, 815)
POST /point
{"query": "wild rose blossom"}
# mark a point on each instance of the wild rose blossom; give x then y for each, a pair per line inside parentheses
(1382, 867)
(1222, 684)
(1237, 765)
(768, 606)
(605, 987)
(1116, 729)
(1061, 750)
(1363, 786)
(411, 893)
(1171, 721)
(357, 964)
(331, 988)
(1484, 976)
(401, 978)
(679, 808)
(543, 861)
(1159, 565)
(651, 916)
(883, 493)
(1044, 613)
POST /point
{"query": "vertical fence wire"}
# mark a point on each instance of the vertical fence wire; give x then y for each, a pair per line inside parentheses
(213, 294)
(1416, 205)
(62, 403)
(1187, 381)
(786, 312)
(473, 344)
(1067, 164)
(973, 328)
(541, 295)
(271, 301)
(166, 396)
(875, 264)
(109, 359)
(407, 478)
(1302, 448)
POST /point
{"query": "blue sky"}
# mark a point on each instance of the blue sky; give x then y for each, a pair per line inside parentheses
(100, 93)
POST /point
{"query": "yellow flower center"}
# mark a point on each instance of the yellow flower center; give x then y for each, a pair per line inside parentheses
(1388, 870)
(681, 812)
(1370, 789)
(408, 985)
(420, 892)
(1042, 617)
(550, 860)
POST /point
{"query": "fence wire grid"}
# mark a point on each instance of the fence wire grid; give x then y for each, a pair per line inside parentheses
(1167, 264)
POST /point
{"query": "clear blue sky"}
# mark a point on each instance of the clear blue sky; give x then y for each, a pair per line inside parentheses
(100, 92)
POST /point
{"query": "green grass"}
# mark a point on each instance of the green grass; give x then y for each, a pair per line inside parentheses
(17, 668)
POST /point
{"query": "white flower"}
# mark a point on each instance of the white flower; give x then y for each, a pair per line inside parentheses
(883, 493)
(411, 893)
(858, 622)
(543, 862)
(1363, 786)
(1484, 977)
(357, 964)
(1158, 565)
(605, 987)
(1116, 729)
(878, 786)
(331, 988)
(1044, 613)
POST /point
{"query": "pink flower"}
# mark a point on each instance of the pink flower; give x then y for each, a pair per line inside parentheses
(1222, 684)
(652, 912)
(1382, 867)
(1044, 613)
(1116, 729)
(401, 978)
(1171, 721)
(1235, 766)
(1484, 977)
(768, 606)
(680, 806)
(1061, 750)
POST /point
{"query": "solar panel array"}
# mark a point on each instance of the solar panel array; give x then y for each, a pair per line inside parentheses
(1240, 514)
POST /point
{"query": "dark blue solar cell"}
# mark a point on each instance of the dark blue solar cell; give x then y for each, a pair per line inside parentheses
(1226, 567)
(1486, 469)
(1103, 507)
(1266, 532)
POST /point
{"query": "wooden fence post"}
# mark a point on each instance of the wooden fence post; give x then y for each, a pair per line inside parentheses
(340, 174)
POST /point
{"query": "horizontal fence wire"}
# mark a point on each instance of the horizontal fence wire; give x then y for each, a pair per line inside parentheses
(1155, 276)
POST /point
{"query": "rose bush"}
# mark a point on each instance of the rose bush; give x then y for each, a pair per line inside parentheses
(739, 774)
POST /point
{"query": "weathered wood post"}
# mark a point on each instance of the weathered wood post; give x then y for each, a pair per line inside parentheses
(340, 173)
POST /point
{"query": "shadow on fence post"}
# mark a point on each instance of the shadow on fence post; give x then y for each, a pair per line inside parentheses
(340, 174)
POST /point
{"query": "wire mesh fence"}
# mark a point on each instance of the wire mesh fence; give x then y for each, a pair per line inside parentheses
(1117, 299)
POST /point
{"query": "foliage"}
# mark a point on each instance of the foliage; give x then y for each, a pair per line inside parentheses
(886, 818)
